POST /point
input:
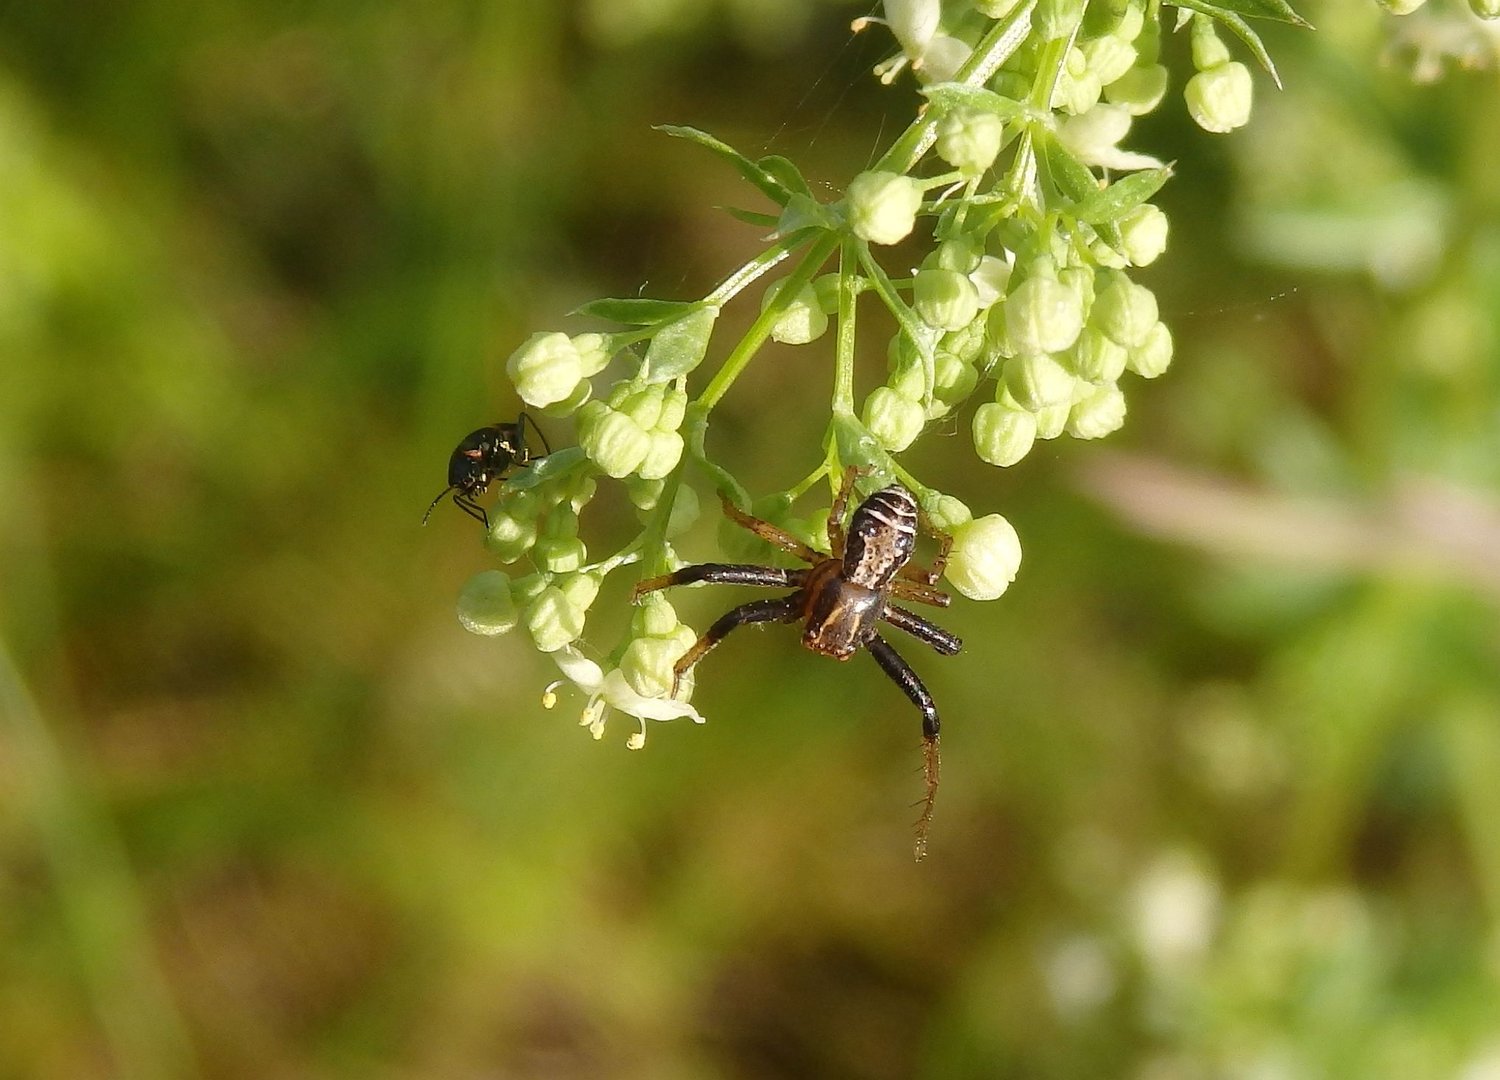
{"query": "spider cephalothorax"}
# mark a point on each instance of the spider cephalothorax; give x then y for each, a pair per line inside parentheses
(842, 598)
(482, 458)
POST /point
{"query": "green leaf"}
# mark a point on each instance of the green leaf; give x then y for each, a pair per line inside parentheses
(757, 174)
(679, 347)
(1241, 28)
(637, 310)
(1121, 197)
(751, 217)
(1068, 176)
(948, 96)
(1275, 10)
(546, 468)
(785, 173)
(857, 446)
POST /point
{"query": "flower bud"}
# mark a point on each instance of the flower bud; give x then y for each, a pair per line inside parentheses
(545, 369)
(560, 554)
(985, 556)
(1485, 9)
(573, 402)
(826, 288)
(1055, 19)
(990, 278)
(612, 440)
(510, 536)
(1003, 436)
(1152, 356)
(946, 513)
(1051, 421)
(801, 319)
(485, 605)
(593, 353)
(1078, 89)
(966, 343)
(913, 23)
(1402, 7)
(954, 380)
(1102, 412)
(643, 406)
(959, 253)
(945, 298)
(552, 621)
(1042, 316)
(1108, 57)
(1037, 382)
(1139, 90)
(1143, 234)
(969, 139)
(1096, 357)
(883, 206)
(1124, 310)
(580, 590)
(673, 409)
(647, 664)
(1220, 98)
(662, 456)
(644, 494)
(1131, 21)
(894, 420)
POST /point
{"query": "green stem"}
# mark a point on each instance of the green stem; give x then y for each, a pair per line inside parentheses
(778, 252)
(915, 329)
(760, 329)
(992, 50)
(843, 370)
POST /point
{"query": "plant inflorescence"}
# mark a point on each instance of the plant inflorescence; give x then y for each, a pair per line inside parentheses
(1030, 217)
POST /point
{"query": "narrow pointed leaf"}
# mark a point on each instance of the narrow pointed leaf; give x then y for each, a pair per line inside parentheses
(636, 310)
(1243, 30)
(762, 178)
(1121, 197)
(956, 95)
(1275, 10)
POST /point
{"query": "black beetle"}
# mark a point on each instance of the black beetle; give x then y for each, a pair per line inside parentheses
(481, 459)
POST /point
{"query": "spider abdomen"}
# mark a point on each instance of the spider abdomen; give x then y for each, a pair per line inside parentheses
(882, 537)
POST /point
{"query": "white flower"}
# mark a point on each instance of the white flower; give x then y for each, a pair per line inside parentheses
(1094, 139)
(607, 691)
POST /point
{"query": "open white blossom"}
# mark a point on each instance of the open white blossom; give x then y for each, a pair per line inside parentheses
(611, 691)
(1094, 138)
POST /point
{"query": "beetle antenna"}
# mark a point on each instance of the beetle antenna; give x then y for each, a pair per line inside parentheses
(525, 419)
(433, 505)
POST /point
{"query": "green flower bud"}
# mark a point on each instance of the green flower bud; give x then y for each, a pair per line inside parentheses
(1143, 233)
(580, 590)
(1150, 358)
(1108, 57)
(552, 622)
(969, 139)
(1124, 310)
(526, 590)
(826, 288)
(545, 369)
(1096, 357)
(647, 664)
(509, 537)
(1220, 98)
(612, 440)
(662, 456)
(579, 492)
(1402, 7)
(1485, 9)
(801, 320)
(1081, 280)
(945, 298)
(954, 380)
(946, 513)
(1078, 89)
(1208, 50)
(485, 605)
(643, 406)
(1037, 382)
(1051, 421)
(1139, 90)
(1102, 412)
(1042, 316)
(959, 253)
(990, 279)
(966, 343)
(673, 409)
(907, 378)
(985, 556)
(644, 494)
(883, 206)
(1003, 436)
(1131, 21)
(1107, 257)
(654, 617)
(560, 554)
(894, 420)
(573, 402)
(593, 353)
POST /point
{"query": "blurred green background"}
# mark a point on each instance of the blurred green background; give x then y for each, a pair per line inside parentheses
(1222, 783)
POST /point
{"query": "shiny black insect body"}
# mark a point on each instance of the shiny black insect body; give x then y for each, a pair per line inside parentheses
(842, 598)
(482, 458)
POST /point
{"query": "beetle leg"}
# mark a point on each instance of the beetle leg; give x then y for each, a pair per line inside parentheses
(470, 507)
(903, 676)
(775, 609)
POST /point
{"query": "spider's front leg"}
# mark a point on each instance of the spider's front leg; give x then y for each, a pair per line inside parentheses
(777, 609)
(903, 676)
(772, 577)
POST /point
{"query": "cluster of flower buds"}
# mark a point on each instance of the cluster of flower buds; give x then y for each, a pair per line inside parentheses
(635, 430)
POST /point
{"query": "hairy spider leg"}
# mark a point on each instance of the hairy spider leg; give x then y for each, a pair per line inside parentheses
(770, 533)
(919, 591)
(902, 675)
(771, 577)
(945, 643)
(774, 609)
(929, 576)
(836, 535)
